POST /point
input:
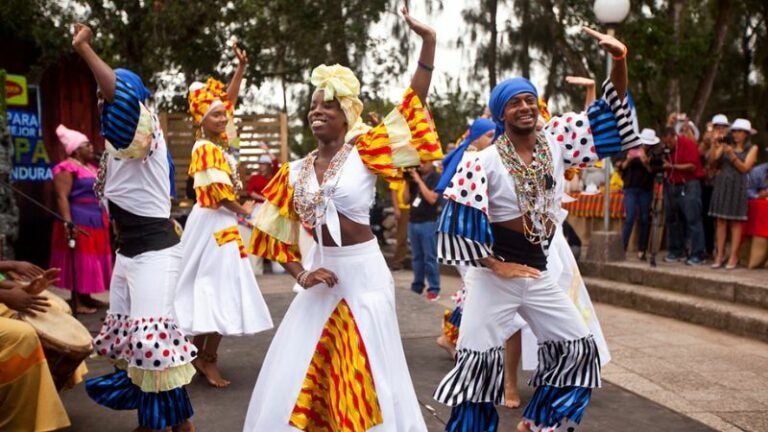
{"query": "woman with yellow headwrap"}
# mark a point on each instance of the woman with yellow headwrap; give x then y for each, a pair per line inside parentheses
(217, 293)
(337, 362)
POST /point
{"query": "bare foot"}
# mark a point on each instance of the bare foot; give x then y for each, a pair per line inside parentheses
(211, 373)
(186, 426)
(511, 396)
(85, 310)
(523, 427)
(443, 343)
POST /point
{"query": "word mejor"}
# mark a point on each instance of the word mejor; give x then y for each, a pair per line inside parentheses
(30, 159)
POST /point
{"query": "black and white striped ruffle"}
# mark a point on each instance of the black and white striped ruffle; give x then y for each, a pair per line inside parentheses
(624, 115)
(477, 377)
(455, 250)
(568, 363)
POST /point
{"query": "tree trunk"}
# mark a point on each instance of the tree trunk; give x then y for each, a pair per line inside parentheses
(676, 12)
(552, 78)
(715, 53)
(337, 36)
(562, 47)
(494, 43)
(525, 54)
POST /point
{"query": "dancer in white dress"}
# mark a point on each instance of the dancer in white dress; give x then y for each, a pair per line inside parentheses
(337, 361)
(217, 293)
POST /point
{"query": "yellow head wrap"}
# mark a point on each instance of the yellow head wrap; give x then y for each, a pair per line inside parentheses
(204, 97)
(339, 82)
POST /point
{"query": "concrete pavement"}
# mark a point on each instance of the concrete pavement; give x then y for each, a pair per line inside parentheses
(613, 408)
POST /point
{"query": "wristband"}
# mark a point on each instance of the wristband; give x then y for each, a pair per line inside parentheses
(622, 56)
(425, 67)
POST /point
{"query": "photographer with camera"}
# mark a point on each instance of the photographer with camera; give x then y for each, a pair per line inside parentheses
(735, 156)
(682, 198)
(637, 173)
(422, 226)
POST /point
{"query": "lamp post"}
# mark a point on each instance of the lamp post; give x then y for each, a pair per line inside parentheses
(609, 13)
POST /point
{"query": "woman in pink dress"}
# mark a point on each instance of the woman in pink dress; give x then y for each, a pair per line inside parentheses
(89, 269)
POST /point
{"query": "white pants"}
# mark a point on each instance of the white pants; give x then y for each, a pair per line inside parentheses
(143, 286)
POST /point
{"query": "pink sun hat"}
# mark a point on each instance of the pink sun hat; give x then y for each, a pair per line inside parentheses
(71, 139)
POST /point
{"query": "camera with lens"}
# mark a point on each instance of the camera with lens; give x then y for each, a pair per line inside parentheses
(727, 139)
(657, 157)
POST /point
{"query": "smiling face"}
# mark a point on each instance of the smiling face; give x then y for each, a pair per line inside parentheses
(521, 114)
(326, 118)
(215, 122)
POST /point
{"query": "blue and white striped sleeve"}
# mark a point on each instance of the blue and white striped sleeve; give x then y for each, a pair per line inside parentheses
(464, 233)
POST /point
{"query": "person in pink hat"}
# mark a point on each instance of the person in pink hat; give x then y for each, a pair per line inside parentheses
(88, 270)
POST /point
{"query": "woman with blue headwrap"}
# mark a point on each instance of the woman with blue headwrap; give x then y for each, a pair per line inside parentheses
(502, 218)
(140, 335)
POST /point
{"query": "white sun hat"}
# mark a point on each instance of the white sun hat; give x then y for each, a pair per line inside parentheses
(742, 125)
(720, 119)
(648, 137)
(264, 159)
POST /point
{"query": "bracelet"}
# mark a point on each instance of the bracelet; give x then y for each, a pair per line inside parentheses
(622, 56)
(425, 67)
(301, 278)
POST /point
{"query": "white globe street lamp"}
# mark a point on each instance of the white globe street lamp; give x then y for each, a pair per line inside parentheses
(609, 12)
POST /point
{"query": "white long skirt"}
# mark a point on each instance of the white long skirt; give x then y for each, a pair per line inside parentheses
(367, 287)
(217, 291)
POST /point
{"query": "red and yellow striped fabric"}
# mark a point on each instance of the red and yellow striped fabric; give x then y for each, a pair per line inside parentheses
(591, 206)
(450, 331)
(338, 393)
(374, 146)
(209, 157)
(279, 194)
(231, 234)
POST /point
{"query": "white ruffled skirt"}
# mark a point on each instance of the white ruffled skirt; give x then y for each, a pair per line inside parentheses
(217, 291)
(366, 291)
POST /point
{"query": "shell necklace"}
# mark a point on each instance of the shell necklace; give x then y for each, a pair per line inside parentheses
(534, 186)
(311, 205)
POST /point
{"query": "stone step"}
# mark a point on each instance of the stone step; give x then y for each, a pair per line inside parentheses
(735, 318)
(740, 286)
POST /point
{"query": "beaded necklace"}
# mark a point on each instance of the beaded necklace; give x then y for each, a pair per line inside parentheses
(534, 186)
(311, 206)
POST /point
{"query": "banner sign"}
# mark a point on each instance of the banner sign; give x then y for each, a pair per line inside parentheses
(30, 159)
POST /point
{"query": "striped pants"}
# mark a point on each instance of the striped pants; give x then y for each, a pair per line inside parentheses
(568, 360)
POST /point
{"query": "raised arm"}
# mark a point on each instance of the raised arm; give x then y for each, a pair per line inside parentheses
(423, 75)
(102, 72)
(233, 90)
(619, 73)
(588, 84)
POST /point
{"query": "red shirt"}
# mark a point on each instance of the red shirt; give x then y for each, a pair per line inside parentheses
(686, 152)
(256, 183)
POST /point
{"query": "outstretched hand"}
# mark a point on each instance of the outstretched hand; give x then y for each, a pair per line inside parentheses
(606, 41)
(81, 35)
(241, 54)
(580, 81)
(42, 282)
(417, 26)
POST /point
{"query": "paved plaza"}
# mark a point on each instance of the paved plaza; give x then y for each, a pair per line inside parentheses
(665, 375)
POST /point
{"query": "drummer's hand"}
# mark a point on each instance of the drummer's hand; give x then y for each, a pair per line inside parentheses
(321, 275)
(23, 302)
(42, 282)
(509, 270)
(25, 270)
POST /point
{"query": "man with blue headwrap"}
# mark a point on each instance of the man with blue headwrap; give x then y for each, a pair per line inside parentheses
(140, 335)
(502, 217)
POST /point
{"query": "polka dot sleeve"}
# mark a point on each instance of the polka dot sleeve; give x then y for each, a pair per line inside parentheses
(464, 231)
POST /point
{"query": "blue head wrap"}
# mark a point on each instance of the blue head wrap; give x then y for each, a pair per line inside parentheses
(502, 93)
(139, 91)
(451, 161)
